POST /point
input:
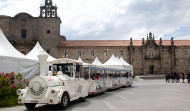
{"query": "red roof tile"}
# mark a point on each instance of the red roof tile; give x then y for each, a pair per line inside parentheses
(83, 43)
(4, 16)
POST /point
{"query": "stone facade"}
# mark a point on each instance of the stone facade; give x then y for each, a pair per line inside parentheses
(147, 56)
(24, 30)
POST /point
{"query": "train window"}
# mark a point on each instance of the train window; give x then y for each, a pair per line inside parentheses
(50, 68)
(78, 73)
(54, 70)
(86, 72)
(64, 68)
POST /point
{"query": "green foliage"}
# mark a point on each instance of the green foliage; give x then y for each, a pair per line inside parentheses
(9, 83)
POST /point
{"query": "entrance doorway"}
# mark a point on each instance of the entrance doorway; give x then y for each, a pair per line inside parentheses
(152, 69)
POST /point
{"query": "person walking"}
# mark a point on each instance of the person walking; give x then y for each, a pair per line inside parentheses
(183, 77)
(178, 77)
(175, 76)
(166, 75)
(172, 77)
(169, 77)
(188, 77)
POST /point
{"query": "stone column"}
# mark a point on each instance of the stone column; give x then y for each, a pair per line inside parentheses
(143, 57)
(172, 54)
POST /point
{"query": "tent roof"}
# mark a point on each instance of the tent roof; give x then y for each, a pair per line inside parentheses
(34, 52)
(96, 61)
(123, 61)
(7, 50)
(80, 60)
(113, 61)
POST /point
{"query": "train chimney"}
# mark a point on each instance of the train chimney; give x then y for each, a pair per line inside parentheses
(42, 56)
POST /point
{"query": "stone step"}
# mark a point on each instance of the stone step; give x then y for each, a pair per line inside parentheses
(150, 76)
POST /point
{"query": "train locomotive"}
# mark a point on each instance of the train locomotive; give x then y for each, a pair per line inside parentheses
(69, 80)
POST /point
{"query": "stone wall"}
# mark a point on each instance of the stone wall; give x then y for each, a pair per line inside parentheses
(37, 30)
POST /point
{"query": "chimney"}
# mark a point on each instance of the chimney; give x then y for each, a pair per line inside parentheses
(160, 41)
(42, 56)
(131, 41)
(142, 41)
(172, 41)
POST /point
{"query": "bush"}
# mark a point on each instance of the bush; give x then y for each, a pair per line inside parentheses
(9, 83)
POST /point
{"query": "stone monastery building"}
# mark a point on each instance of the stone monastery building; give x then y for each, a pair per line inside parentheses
(148, 56)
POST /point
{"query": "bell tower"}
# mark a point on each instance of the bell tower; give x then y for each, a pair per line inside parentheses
(48, 10)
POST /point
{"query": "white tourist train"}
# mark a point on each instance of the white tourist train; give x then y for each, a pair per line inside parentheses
(69, 80)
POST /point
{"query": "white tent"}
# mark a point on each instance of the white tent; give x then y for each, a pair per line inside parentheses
(80, 60)
(113, 62)
(123, 61)
(13, 61)
(34, 52)
(126, 65)
(96, 62)
(7, 50)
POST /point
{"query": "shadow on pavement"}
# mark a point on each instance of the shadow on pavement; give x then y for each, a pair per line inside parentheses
(77, 103)
(56, 107)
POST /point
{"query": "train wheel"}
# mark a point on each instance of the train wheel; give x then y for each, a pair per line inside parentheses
(30, 105)
(82, 99)
(64, 101)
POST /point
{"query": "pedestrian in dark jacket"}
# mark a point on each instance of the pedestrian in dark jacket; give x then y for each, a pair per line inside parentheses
(188, 78)
(166, 75)
(178, 77)
(175, 76)
(172, 77)
(183, 77)
(169, 77)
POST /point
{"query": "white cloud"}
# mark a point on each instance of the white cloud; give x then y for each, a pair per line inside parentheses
(111, 19)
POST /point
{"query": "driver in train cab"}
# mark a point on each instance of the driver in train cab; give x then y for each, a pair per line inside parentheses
(54, 70)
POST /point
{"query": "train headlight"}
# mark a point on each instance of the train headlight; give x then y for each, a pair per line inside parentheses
(18, 92)
(53, 91)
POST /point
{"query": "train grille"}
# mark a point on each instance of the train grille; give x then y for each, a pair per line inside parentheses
(37, 89)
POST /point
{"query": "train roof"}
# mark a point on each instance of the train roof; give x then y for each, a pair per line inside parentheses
(66, 60)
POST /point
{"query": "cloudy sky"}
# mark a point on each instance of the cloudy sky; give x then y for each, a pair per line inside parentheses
(113, 19)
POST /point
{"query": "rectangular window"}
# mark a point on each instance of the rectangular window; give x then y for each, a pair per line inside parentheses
(176, 52)
(176, 62)
(48, 51)
(48, 31)
(186, 52)
(92, 53)
(151, 53)
(79, 53)
(137, 65)
(186, 62)
(121, 52)
(23, 33)
(105, 53)
(165, 52)
(66, 54)
(137, 52)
